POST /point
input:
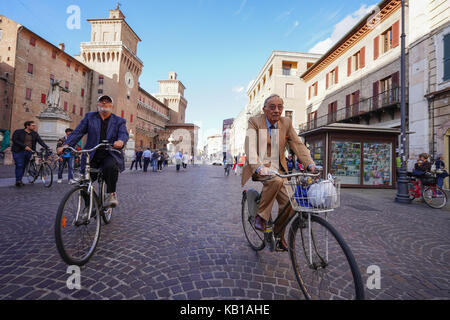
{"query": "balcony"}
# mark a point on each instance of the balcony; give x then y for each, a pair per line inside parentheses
(149, 107)
(387, 101)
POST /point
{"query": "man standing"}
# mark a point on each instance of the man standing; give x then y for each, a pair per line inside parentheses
(103, 126)
(24, 144)
(66, 158)
(277, 131)
(147, 158)
(137, 159)
(155, 157)
(178, 160)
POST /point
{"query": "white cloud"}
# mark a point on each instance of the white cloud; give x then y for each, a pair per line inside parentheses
(284, 15)
(238, 89)
(243, 3)
(341, 28)
(294, 26)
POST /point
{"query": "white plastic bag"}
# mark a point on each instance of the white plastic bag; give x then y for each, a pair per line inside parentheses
(323, 195)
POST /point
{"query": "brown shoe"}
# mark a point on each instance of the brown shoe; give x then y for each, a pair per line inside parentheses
(260, 224)
(282, 246)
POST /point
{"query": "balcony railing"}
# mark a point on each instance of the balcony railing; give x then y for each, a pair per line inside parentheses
(149, 107)
(363, 107)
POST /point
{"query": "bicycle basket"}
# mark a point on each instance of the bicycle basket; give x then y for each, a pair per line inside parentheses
(307, 195)
(428, 180)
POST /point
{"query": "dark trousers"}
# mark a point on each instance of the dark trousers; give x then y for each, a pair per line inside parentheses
(62, 164)
(146, 163)
(160, 165)
(184, 165)
(178, 167)
(135, 162)
(21, 160)
(110, 171)
(154, 165)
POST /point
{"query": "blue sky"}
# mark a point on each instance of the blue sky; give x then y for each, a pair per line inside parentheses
(216, 46)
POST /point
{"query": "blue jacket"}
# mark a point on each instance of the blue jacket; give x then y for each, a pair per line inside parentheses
(91, 125)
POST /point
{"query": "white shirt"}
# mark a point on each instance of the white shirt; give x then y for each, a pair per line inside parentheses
(147, 154)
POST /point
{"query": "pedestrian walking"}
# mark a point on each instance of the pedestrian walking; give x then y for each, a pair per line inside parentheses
(290, 164)
(185, 160)
(24, 143)
(147, 155)
(66, 158)
(155, 157)
(241, 164)
(160, 161)
(137, 159)
(178, 160)
(440, 166)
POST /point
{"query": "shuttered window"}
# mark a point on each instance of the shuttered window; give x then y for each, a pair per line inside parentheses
(447, 57)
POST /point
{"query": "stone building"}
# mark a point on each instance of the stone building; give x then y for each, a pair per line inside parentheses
(238, 132)
(280, 75)
(429, 90)
(171, 93)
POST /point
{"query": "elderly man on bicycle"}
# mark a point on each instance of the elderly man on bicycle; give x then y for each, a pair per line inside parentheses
(103, 126)
(265, 144)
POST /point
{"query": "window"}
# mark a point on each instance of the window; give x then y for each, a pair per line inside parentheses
(131, 119)
(309, 65)
(30, 68)
(81, 111)
(100, 80)
(100, 91)
(315, 87)
(54, 54)
(332, 112)
(386, 41)
(289, 114)
(82, 92)
(447, 57)
(74, 109)
(43, 98)
(28, 94)
(122, 114)
(68, 63)
(287, 69)
(1, 33)
(356, 61)
(76, 68)
(32, 41)
(270, 71)
(67, 85)
(289, 92)
(65, 106)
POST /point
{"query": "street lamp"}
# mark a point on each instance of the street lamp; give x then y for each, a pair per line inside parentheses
(403, 180)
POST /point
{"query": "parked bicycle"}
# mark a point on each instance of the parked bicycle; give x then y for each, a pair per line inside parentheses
(426, 188)
(38, 167)
(77, 225)
(324, 266)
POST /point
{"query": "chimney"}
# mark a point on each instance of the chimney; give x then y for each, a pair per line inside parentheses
(62, 46)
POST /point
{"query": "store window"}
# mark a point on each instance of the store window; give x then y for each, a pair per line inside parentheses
(318, 152)
(377, 164)
(346, 161)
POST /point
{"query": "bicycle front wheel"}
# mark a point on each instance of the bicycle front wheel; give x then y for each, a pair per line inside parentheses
(434, 197)
(77, 228)
(323, 263)
(31, 172)
(106, 212)
(46, 175)
(254, 237)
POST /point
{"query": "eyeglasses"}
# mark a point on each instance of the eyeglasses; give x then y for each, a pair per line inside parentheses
(273, 108)
(104, 102)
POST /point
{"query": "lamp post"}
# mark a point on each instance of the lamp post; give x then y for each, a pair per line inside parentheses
(402, 183)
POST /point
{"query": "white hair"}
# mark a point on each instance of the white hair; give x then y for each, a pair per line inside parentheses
(271, 97)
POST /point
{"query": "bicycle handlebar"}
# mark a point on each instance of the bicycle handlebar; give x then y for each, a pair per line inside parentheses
(312, 175)
(101, 145)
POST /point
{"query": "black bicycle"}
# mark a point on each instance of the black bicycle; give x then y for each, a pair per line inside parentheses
(324, 266)
(77, 225)
(38, 167)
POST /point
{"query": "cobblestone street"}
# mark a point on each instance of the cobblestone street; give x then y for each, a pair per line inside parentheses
(180, 236)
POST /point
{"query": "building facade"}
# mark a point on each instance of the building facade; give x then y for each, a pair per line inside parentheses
(214, 147)
(238, 132)
(226, 138)
(280, 75)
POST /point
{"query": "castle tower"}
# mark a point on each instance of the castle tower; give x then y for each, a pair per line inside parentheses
(112, 54)
(171, 92)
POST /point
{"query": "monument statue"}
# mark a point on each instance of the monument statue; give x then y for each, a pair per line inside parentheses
(54, 95)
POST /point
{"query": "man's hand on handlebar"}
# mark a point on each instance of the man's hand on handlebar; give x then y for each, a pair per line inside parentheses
(60, 150)
(118, 144)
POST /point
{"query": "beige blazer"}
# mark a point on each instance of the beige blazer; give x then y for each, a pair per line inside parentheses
(286, 135)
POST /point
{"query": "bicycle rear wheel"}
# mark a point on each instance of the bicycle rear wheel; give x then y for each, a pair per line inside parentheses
(434, 197)
(46, 175)
(31, 172)
(254, 237)
(106, 212)
(323, 263)
(76, 235)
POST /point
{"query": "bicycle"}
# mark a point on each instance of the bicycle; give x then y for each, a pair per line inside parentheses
(53, 161)
(426, 188)
(77, 212)
(324, 265)
(38, 166)
(227, 169)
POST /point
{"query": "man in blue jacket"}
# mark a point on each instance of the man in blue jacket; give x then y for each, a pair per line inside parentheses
(100, 126)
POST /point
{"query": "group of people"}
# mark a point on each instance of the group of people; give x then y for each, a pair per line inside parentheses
(157, 159)
(424, 166)
(236, 163)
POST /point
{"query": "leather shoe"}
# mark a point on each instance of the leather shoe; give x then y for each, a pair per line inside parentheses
(260, 224)
(281, 246)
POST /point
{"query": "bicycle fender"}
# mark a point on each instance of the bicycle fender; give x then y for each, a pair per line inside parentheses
(253, 198)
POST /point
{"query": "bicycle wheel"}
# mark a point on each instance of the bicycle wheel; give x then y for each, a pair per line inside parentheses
(46, 175)
(254, 237)
(76, 235)
(411, 191)
(31, 172)
(106, 212)
(324, 267)
(434, 197)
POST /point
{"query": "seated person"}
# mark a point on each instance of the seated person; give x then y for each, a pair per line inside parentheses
(422, 166)
(440, 166)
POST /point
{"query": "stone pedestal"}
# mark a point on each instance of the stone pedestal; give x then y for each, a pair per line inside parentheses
(53, 123)
(130, 149)
(8, 160)
(171, 149)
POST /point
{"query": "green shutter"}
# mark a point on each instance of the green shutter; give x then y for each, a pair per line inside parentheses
(447, 57)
